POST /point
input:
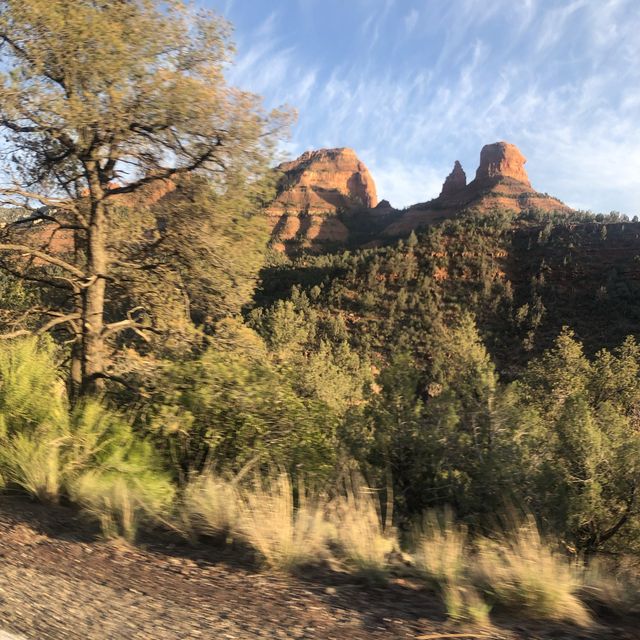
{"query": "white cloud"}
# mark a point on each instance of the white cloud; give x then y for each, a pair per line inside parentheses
(403, 184)
(411, 20)
(559, 79)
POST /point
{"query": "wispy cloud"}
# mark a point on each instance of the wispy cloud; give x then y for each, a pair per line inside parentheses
(558, 78)
(411, 20)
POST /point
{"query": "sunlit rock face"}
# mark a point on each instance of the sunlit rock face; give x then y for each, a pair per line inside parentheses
(502, 160)
(316, 187)
(501, 182)
(455, 182)
(328, 197)
(325, 181)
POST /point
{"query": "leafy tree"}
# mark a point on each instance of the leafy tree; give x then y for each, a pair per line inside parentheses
(231, 408)
(587, 465)
(100, 101)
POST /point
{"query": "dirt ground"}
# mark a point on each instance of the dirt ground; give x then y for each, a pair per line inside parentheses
(59, 581)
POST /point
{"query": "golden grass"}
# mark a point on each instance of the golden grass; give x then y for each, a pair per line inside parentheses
(522, 572)
(121, 503)
(358, 530)
(442, 557)
(286, 536)
(211, 505)
(289, 528)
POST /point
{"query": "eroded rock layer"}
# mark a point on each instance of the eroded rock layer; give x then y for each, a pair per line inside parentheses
(501, 182)
(324, 195)
(316, 187)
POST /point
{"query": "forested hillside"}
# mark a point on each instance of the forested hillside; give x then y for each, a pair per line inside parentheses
(522, 277)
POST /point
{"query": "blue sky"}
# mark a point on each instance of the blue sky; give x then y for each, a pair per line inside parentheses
(413, 85)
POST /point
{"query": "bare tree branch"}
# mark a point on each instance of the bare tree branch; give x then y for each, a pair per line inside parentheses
(26, 250)
(57, 203)
(47, 326)
(130, 323)
(162, 175)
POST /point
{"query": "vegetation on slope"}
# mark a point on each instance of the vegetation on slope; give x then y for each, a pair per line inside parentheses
(485, 365)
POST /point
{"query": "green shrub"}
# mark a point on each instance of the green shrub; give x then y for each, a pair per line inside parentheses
(32, 393)
(229, 408)
(88, 453)
(33, 418)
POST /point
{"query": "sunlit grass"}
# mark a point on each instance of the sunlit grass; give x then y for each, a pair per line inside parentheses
(442, 558)
(285, 535)
(522, 572)
(359, 532)
(211, 505)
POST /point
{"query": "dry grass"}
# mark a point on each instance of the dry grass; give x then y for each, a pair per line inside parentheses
(264, 514)
(441, 548)
(211, 506)
(121, 503)
(359, 532)
(522, 572)
(289, 528)
(286, 536)
(442, 557)
(261, 513)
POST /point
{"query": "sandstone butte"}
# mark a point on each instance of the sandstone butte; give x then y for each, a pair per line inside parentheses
(313, 189)
(501, 181)
(320, 184)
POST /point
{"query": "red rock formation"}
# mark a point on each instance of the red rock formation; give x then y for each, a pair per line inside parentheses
(320, 184)
(325, 181)
(455, 182)
(501, 182)
(313, 189)
(502, 160)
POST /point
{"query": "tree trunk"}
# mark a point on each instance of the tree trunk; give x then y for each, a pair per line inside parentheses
(75, 371)
(93, 356)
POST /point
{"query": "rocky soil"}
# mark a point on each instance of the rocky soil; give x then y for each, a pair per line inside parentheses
(59, 581)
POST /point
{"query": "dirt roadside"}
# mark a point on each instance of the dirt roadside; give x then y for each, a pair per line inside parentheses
(59, 585)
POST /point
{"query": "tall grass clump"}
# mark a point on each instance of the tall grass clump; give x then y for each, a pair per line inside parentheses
(442, 557)
(285, 535)
(210, 505)
(88, 454)
(113, 474)
(520, 571)
(359, 532)
(32, 392)
(33, 418)
(31, 461)
(120, 502)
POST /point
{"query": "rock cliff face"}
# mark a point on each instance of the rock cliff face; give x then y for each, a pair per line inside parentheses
(329, 197)
(455, 182)
(501, 182)
(325, 181)
(313, 189)
(502, 160)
